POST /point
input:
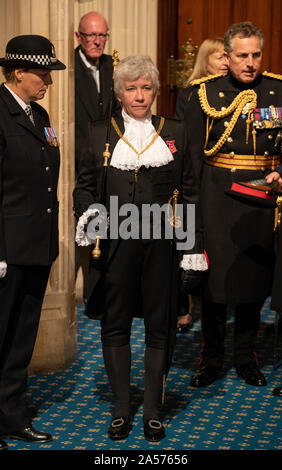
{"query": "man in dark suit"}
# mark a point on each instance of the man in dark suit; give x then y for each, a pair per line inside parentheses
(93, 90)
(149, 166)
(29, 170)
(93, 75)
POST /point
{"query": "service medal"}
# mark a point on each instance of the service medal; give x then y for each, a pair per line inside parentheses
(51, 136)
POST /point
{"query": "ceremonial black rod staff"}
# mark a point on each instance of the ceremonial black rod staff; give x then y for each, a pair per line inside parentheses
(96, 252)
(175, 222)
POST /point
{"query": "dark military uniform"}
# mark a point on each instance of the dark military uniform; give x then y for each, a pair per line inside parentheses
(238, 236)
(276, 299)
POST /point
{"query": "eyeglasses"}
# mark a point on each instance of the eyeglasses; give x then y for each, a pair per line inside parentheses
(95, 36)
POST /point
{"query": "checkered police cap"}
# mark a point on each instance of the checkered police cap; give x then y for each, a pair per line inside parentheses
(31, 51)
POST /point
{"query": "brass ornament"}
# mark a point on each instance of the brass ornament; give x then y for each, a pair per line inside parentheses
(173, 219)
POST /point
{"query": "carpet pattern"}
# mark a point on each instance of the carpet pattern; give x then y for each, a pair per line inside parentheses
(74, 405)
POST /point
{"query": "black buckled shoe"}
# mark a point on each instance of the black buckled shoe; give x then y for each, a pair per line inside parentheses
(29, 434)
(205, 376)
(184, 327)
(277, 391)
(3, 445)
(154, 430)
(252, 375)
(119, 428)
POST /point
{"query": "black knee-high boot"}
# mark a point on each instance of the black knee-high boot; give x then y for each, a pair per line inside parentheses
(213, 333)
(247, 321)
(117, 361)
(154, 371)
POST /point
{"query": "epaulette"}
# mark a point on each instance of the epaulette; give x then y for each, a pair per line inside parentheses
(272, 75)
(198, 81)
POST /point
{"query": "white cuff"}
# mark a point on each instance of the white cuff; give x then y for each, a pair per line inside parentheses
(3, 269)
(194, 262)
(81, 236)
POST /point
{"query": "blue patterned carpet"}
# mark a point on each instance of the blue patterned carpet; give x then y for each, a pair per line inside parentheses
(74, 405)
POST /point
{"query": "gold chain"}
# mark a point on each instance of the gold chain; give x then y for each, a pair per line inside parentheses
(129, 144)
(237, 106)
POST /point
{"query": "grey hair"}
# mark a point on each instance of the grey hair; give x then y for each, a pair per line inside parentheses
(244, 29)
(133, 67)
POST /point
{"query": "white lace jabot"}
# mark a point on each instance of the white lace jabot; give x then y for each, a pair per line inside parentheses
(139, 132)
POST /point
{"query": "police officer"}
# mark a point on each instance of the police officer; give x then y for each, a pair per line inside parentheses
(29, 171)
(232, 123)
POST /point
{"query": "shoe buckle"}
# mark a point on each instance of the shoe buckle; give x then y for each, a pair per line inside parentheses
(117, 422)
(155, 424)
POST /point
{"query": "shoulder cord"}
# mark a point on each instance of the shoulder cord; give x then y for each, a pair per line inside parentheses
(272, 75)
(237, 106)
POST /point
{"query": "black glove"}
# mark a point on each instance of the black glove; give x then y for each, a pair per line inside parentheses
(191, 280)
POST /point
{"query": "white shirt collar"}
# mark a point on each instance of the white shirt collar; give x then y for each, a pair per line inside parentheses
(130, 120)
(17, 98)
(86, 61)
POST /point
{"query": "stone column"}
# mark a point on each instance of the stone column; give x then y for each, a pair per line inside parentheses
(56, 341)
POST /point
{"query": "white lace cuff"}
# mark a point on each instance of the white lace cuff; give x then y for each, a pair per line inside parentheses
(3, 269)
(81, 236)
(194, 262)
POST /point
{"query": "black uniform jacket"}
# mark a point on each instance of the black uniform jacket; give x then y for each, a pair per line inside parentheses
(29, 169)
(154, 184)
(89, 104)
(238, 237)
(276, 299)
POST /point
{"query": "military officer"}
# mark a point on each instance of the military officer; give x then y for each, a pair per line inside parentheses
(232, 124)
(276, 297)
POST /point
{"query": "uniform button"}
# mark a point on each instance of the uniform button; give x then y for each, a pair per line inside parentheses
(42, 148)
(272, 92)
(223, 108)
(270, 136)
(231, 154)
(266, 153)
(262, 168)
(47, 168)
(49, 190)
(221, 94)
(226, 123)
(233, 169)
(49, 210)
(229, 139)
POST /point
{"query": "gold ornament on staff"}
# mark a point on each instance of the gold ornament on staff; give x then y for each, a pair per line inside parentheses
(107, 153)
(173, 220)
(96, 252)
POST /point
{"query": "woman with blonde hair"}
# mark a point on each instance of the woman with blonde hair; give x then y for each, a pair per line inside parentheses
(211, 60)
